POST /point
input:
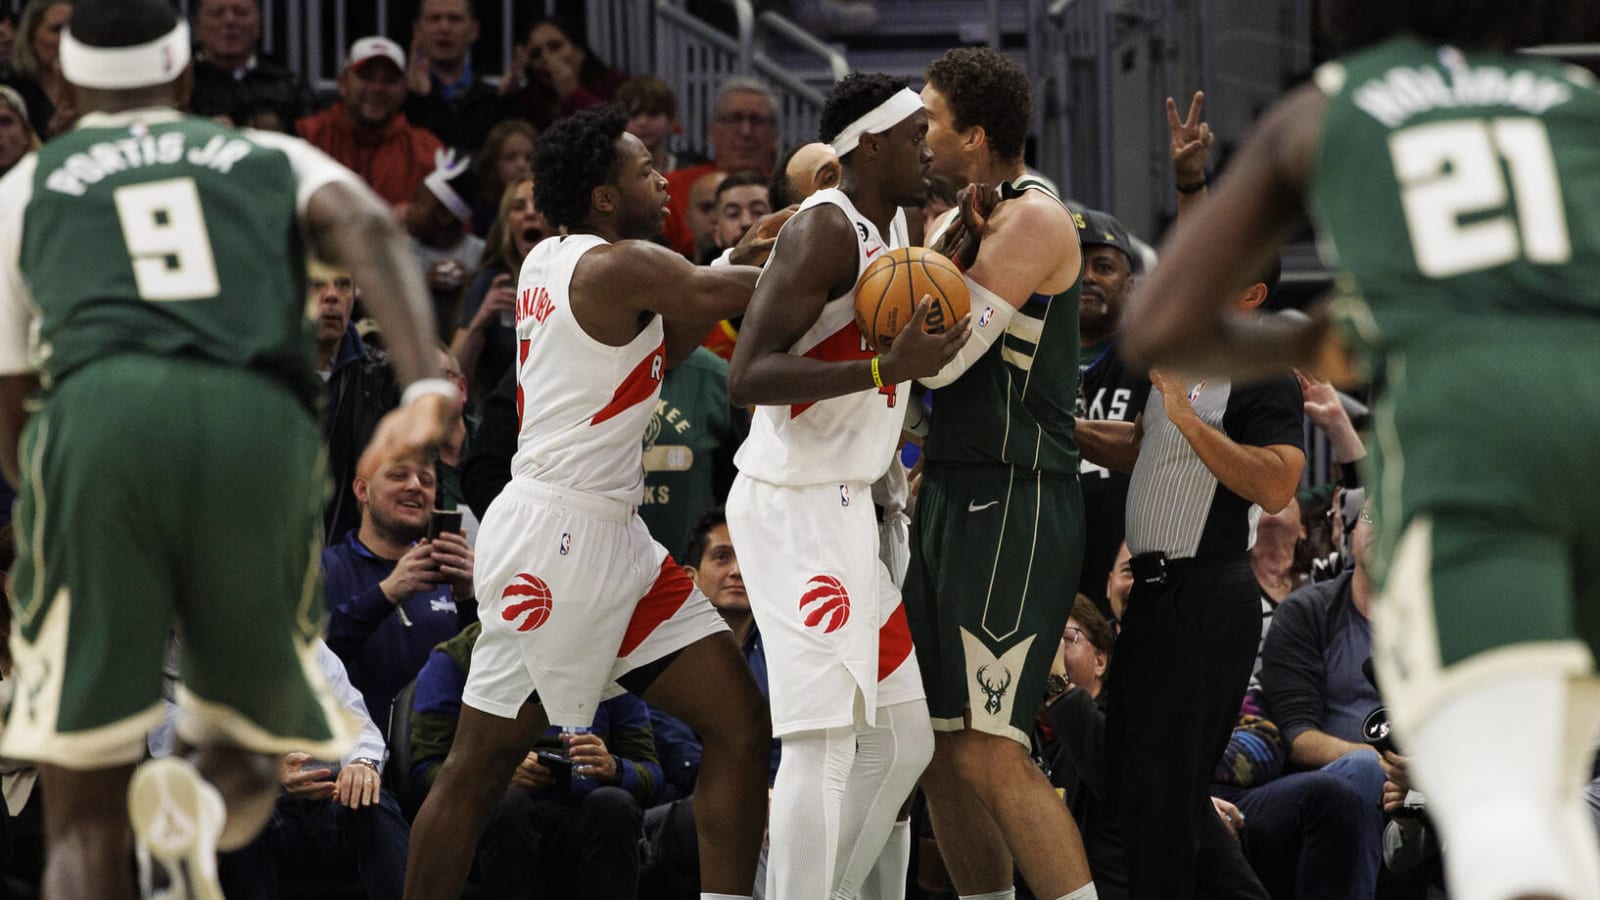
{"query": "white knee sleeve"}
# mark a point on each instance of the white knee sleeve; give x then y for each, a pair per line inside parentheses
(1503, 769)
(889, 759)
(807, 799)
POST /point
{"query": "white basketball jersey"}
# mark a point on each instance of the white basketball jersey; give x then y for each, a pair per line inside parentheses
(841, 439)
(583, 405)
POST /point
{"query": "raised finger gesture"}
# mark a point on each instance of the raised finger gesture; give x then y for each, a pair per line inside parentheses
(1191, 140)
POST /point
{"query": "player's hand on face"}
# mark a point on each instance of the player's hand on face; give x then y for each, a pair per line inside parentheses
(358, 786)
(531, 774)
(977, 203)
(412, 574)
(590, 757)
(453, 560)
(312, 784)
(918, 354)
(1191, 140)
(756, 245)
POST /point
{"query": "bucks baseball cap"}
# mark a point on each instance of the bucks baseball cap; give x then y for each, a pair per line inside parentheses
(1101, 229)
(371, 48)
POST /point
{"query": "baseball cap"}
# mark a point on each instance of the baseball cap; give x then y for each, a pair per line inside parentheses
(1102, 229)
(370, 48)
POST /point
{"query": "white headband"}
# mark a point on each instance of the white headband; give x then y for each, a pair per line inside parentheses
(118, 68)
(883, 117)
(445, 168)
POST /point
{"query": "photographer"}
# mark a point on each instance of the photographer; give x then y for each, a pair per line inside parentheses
(571, 819)
(1317, 693)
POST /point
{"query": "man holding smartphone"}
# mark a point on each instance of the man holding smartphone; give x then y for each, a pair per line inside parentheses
(400, 583)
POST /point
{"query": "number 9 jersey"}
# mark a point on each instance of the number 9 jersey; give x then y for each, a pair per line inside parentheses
(160, 234)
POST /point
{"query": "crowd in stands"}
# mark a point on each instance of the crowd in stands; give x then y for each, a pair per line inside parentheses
(1311, 803)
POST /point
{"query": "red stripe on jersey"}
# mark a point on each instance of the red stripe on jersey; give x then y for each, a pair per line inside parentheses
(637, 387)
(665, 598)
(894, 642)
(844, 344)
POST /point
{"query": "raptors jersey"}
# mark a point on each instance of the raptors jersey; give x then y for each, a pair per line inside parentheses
(841, 439)
(583, 405)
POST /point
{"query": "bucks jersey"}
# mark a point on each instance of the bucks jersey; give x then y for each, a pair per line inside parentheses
(1015, 405)
(151, 232)
(1463, 189)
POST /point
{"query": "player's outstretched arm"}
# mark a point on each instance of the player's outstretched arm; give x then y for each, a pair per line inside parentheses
(1181, 319)
(817, 260)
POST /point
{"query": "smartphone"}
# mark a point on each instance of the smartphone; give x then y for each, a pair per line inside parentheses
(559, 766)
(444, 520)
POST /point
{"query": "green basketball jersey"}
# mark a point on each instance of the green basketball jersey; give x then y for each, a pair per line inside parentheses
(1015, 405)
(158, 233)
(1461, 189)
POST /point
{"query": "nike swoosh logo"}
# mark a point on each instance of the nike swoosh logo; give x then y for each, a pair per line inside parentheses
(974, 507)
(873, 251)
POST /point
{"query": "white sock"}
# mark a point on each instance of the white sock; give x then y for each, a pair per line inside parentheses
(1008, 894)
(1087, 892)
(887, 880)
(1510, 836)
(705, 896)
(889, 759)
(808, 799)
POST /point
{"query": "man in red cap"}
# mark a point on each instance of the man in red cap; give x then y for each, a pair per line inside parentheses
(366, 131)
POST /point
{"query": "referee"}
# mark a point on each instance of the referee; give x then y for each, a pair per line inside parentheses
(1206, 457)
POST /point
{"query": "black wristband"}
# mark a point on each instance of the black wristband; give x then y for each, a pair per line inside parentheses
(1193, 186)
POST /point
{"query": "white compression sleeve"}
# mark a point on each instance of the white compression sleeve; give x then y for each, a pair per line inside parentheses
(890, 758)
(808, 799)
(990, 315)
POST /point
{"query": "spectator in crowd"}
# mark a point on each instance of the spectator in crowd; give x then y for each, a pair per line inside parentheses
(393, 593)
(366, 131)
(8, 40)
(1275, 555)
(652, 110)
(444, 93)
(807, 169)
(484, 341)
(1203, 454)
(506, 156)
(1317, 693)
(1069, 738)
(16, 134)
(701, 215)
(1107, 390)
(689, 447)
(740, 201)
(1119, 584)
(331, 816)
(457, 443)
(569, 824)
(439, 220)
(743, 136)
(361, 388)
(674, 870)
(36, 68)
(233, 80)
(555, 74)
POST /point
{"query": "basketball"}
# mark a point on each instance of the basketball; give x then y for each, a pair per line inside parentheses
(893, 284)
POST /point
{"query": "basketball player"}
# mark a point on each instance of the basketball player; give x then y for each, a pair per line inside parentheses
(998, 526)
(152, 276)
(1457, 183)
(828, 419)
(575, 597)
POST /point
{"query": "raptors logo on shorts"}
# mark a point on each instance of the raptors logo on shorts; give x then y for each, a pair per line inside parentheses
(827, 601)
(536, 606)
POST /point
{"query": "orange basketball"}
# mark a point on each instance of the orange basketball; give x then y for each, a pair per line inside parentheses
(893, 284)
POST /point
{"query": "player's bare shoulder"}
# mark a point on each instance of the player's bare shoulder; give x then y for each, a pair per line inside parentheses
(1035, 225)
